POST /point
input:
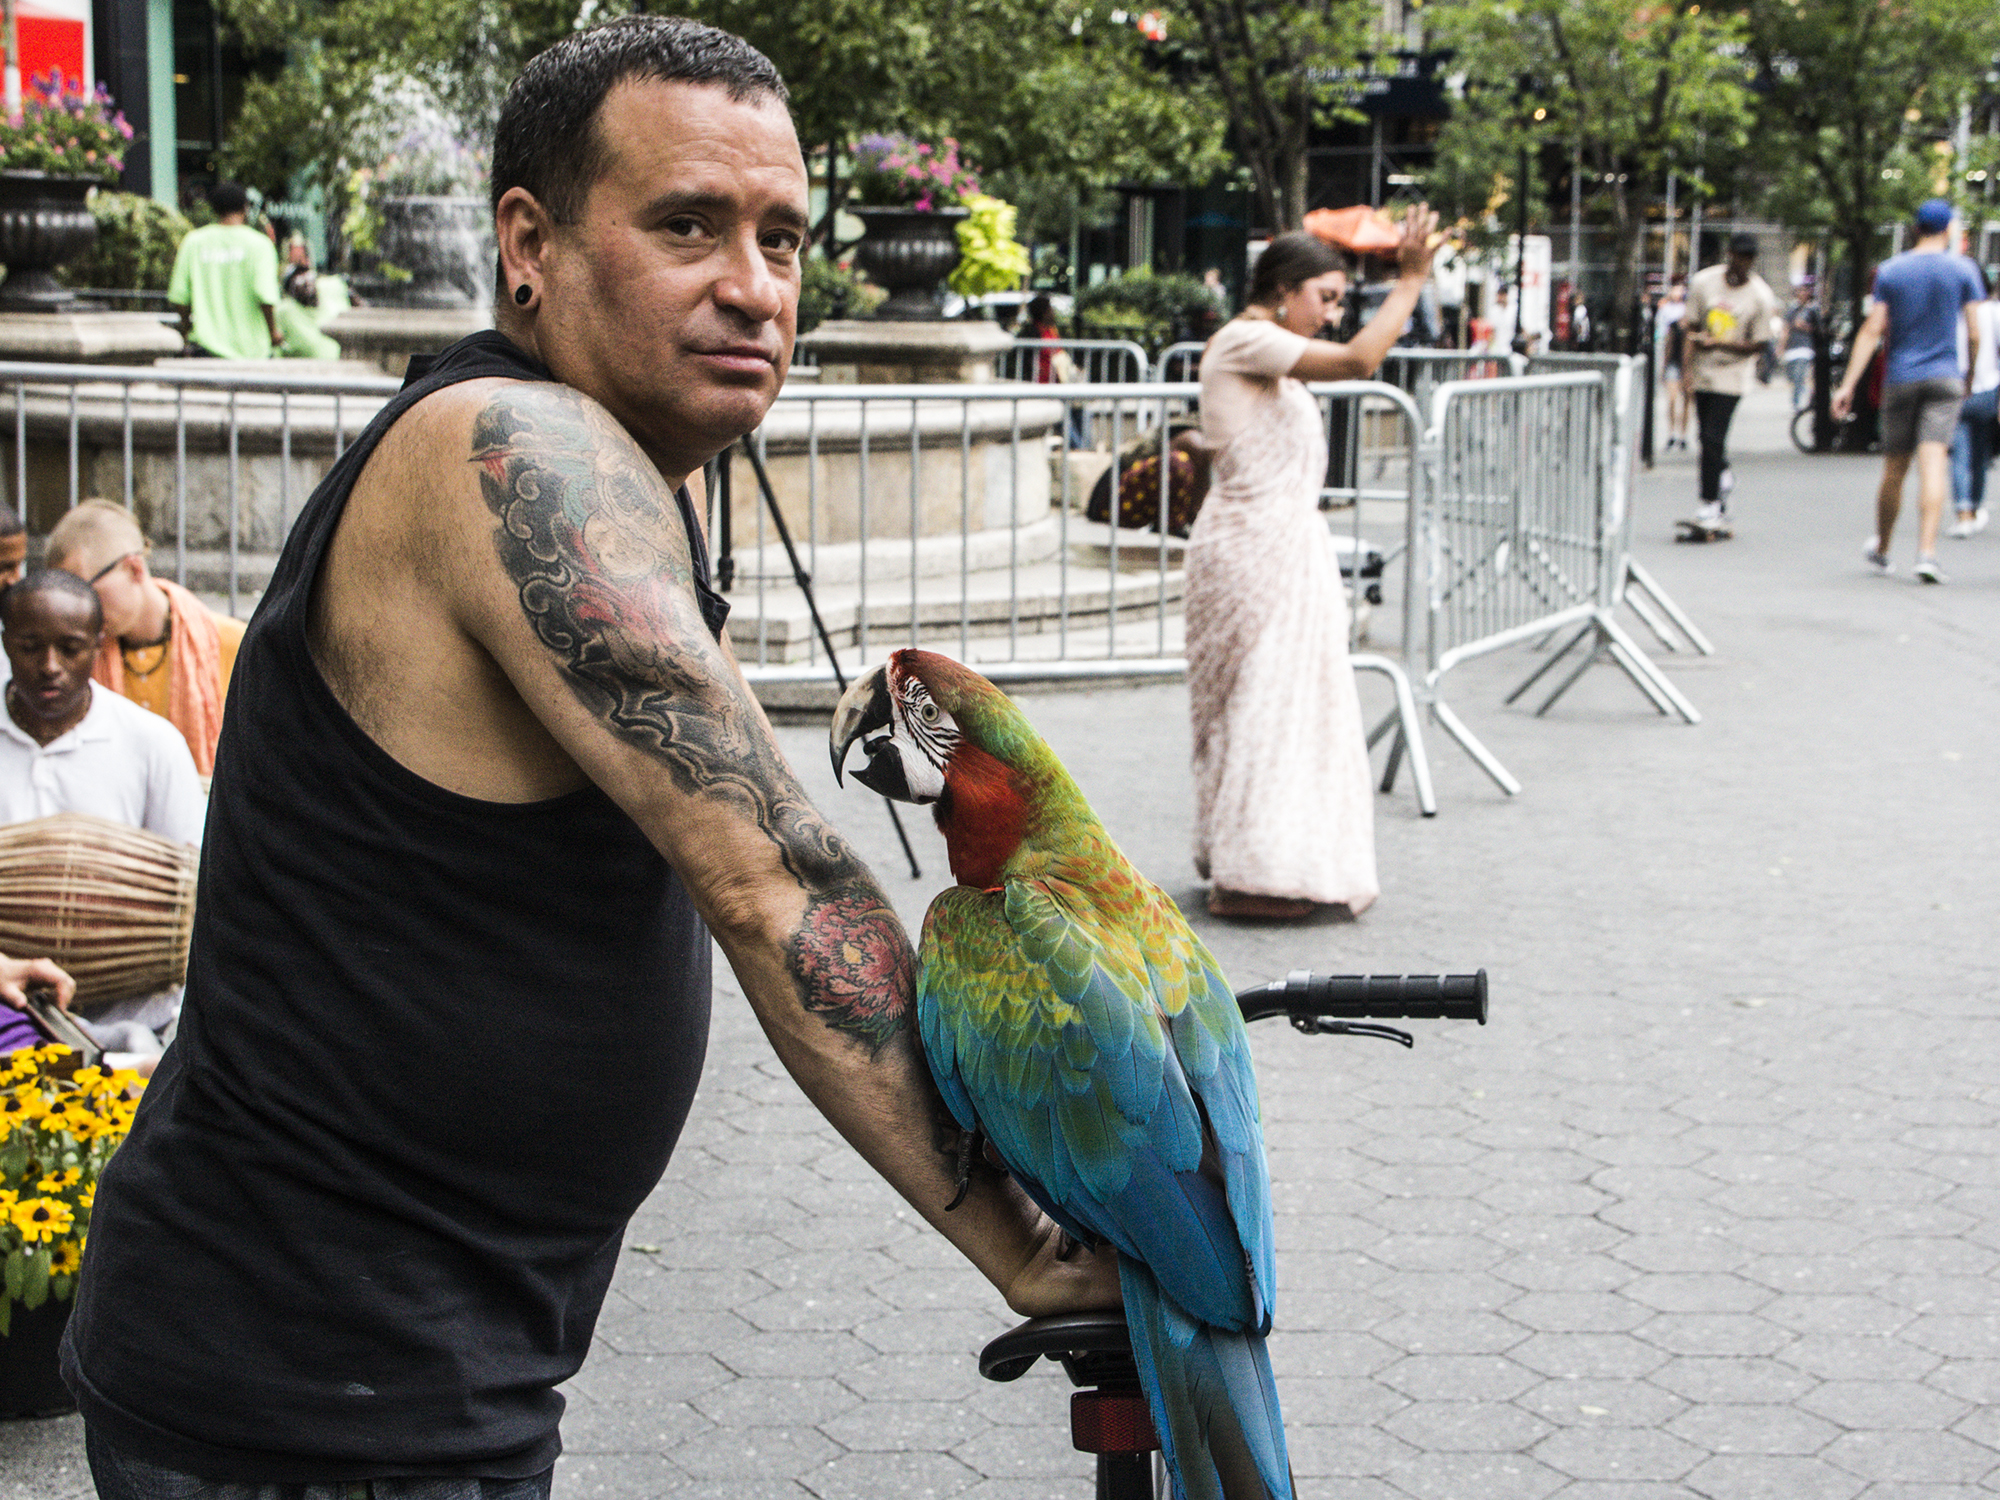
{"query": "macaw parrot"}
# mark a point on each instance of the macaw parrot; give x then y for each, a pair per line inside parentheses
(1070, 1015)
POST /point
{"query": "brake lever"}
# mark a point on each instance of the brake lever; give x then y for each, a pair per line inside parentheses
(1320, 1026)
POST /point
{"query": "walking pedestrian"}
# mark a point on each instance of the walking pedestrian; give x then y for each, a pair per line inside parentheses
(1801, 329)
(1921, 296)
(1729, 313)
(1972, 444)
(1670, 328)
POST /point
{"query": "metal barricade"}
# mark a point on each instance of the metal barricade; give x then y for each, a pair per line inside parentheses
(876, 517)
(1627, 582)
(1098, 361)
(215, 463)
(1422, 371)
(1513, 538)
(1179, 362)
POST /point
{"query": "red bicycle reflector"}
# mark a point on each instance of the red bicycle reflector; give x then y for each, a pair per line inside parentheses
(1111, 1422)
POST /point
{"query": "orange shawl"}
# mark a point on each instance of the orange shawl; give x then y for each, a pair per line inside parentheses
(194, 678)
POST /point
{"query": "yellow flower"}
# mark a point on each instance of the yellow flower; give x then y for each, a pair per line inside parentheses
(88, 1078)
(7, 1200)
(68, 1256)
(88, 1196)
(20, 1105)
(55, 1182)
(41, 1219)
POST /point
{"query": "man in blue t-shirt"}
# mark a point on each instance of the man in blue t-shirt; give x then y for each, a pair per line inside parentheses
(1921, 297)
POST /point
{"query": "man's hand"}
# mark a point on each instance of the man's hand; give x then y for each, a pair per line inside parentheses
(1047, 1284)
(16, 974)
(1842, 403)
(1414, 250)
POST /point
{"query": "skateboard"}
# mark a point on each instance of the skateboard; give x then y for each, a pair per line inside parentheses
(1703, 531)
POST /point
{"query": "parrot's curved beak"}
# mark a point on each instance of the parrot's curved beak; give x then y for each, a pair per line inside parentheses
(863, 711)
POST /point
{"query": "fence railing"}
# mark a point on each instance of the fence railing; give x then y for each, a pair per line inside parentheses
(1096, 361)
(1517, 537)
(960, 516)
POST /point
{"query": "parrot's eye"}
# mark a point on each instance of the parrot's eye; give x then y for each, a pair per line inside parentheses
(928, 712)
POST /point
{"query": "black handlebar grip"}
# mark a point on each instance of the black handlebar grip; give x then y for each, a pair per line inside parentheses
(1355, 997)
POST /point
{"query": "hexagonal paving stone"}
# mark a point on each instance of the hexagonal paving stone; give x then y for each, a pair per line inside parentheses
(1714, 1333)
(1884, 1403)
(1753, 1429)
(776, 1401)
(904, 1426)
(1450, 1333)
(1601, 1403)
(1458, 1377)
(1617, 1453)
(1489, 1476)
(1467, 1427)
(1696, 1292)
(1575, 1312)
(1324, 1451)
(1927, 1457)
(869, 1476)
(1759, 1477)
(1839, 1357)
(1603, 1355)
(754, 1453)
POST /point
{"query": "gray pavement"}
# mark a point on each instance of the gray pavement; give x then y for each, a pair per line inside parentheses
(1712, 1208)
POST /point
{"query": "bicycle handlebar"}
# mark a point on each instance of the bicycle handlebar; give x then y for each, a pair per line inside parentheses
(1415, 997)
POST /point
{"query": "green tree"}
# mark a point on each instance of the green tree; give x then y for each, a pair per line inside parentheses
(1279, 67)
(1631, 91)
(1860, 101)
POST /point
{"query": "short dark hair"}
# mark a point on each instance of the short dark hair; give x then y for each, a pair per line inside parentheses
(10, 523)
(228, 198)
(1743, 244)
(50, 581)
(547, 139)
(1040, 308)
(1288, 261)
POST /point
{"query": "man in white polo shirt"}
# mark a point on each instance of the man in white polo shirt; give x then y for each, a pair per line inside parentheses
(67, 745)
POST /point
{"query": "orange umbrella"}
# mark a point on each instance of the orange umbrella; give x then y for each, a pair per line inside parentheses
(1361, 229)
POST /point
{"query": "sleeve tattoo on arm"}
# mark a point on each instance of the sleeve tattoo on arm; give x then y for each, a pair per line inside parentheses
(596, 549)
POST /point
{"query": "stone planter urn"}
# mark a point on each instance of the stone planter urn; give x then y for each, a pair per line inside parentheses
(909, 252)
(44, 221)
(433, 252)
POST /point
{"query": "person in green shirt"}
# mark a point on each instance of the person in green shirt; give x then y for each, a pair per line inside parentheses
(225, 283)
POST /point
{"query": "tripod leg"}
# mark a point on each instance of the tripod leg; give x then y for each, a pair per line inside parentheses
(804, 580)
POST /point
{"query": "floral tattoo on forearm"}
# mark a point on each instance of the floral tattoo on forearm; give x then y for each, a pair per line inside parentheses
(595, 545)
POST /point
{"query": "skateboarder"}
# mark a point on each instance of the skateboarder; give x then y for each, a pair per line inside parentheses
(1729, 313)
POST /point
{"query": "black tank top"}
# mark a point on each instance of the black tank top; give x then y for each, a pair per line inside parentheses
(434, 1053)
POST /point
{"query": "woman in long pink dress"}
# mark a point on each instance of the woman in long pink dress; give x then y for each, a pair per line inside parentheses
(1284, 804)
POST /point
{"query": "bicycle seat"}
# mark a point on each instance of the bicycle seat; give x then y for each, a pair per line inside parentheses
(1093, 1348)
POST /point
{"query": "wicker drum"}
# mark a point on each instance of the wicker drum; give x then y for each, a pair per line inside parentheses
(113, 905)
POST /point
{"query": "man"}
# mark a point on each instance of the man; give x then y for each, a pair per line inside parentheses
(489, 768)
(225, 283)
(1921, 298)
(66, 745)
(13, 545)
(1801, 331)
(1500, 322)
(1728, 321)
(163, 648)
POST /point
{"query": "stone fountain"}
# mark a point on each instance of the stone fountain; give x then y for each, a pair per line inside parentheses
(428, 283)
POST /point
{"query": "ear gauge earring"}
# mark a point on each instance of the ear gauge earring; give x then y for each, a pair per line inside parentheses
(524, 294)
(1282, 306)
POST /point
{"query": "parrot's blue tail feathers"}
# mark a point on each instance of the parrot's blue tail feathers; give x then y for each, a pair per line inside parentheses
(1214, 1403)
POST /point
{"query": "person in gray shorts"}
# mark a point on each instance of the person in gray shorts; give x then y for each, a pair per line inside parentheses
(1921, 296)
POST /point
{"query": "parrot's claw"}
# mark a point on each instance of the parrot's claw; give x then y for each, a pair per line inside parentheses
(969, 1142)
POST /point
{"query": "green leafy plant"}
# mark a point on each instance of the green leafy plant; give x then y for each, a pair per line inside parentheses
(829, 289)
(65, 132)
(1146, 307)
(136, 241)
(989, 259)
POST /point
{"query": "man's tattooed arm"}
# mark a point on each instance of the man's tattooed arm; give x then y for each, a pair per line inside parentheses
(594, 545)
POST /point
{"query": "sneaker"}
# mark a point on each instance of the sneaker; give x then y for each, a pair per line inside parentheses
(1927, 570)
(1979, 520)
(1728, 483)
(1963, 529)
(1877, 558)
(1711, 514)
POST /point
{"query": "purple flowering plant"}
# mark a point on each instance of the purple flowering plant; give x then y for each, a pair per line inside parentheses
(898, 171)
(65, 131)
